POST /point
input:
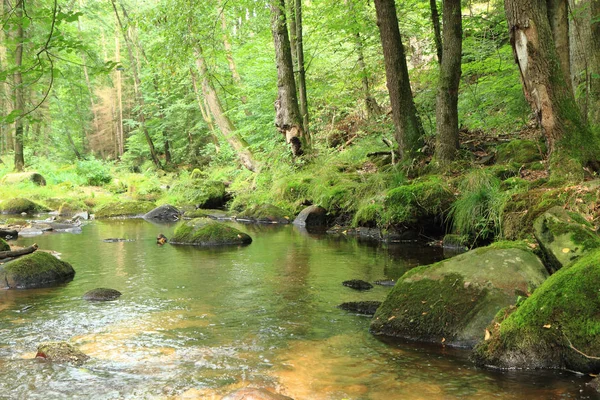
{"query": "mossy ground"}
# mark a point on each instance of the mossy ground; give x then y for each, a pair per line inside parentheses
(265, 213)
(124, 209)
(20, 205)
(37, 269)
(206, 232)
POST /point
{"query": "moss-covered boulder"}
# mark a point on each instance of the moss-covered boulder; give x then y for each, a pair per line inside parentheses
(454, 300)
(124, 209)
(164, 213)
(72, 208)
(61, 352)
(210, 194)
(558, 326)
(564, 236)
(519, 151)
(3, 245)
(19, 177)
(265, 213)
(101, 294)
(20, 206)
(206, 232)
(35, 270)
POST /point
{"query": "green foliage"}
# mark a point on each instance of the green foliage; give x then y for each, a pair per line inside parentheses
(94, 172)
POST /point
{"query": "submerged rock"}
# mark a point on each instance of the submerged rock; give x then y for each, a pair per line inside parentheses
(102, 294)
(206, 232)
(117, 240)
(266, 214)
(556, 327)
(361, 307)
(124, 209)
(255, 394)
(35, 270)
(165, 213)
(312, 217)
(357, 284)
(454, 300)
(61, 352)
(20, 206)
(564, 236)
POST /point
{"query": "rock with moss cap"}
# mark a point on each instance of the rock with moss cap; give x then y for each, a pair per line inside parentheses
(61, 352)
(266, 214)
(453, 301)
(164, 213)
(19, 177)
(20, 206)
(39, 269)
(72, 208)
(564, 236)
(124, 209)
(557, 327)
(3, 245)
(206, 232)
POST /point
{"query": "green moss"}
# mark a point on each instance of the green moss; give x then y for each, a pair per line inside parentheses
(36, 269)
(519, 151)
(4, 246)
(205, 232)
(369, 215)
(19, 206)
(265, 213)
(124, 209)
(69, 208)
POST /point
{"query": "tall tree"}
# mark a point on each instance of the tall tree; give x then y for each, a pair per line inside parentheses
(287, 112)
(437, 32)
(408, 126)
(558, 15)
(570, 142)
(450, 71)
(595, 62)
(19, 96)
(301, 68)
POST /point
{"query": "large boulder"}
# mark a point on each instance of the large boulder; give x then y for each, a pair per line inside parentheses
(35, 270)
(61, 352)
(20, 206)
(206, 232)
(454, 300)
(164, 213)
(556, 327)
(312, 216)
(564, 236)
(255, 394)
(266, 214)
(19, 177)
(128, 208)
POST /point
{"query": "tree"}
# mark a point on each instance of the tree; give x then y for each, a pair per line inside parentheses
(594, 51)
(437, 32)
(558, 15)
(570, 142)
(450, 72)
(19, 97)
(300, 67)
(408, 127)
(287, 112)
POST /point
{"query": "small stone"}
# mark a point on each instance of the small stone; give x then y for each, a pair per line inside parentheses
(61, 352)
(102, 294)
(357, 284)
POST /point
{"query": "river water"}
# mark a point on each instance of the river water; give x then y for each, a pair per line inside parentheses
(201, 322)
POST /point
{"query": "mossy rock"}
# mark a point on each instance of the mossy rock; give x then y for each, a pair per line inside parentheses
(124, 209)
(71, 208)
(19, 177)
(20, 205)
(206, 232)
(202, 213)
(35, 270)
(553, 327)
(165, 213)
(101, 294)
(453, 301)
(523, 208)
(4, 246)
(265, 213)
(61, 352)
(518, 150)
(209, 194)
(564, 237)
(312, 216)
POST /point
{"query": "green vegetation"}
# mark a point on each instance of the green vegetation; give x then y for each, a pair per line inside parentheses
(19, 206)
(4, 246)
(124, 209)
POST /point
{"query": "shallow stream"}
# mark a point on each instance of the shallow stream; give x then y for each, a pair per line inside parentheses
(199, 323)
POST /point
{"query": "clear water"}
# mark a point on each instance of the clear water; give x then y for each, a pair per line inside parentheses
(198, 323)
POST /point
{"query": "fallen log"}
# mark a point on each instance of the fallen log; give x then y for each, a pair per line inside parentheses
(18, 252)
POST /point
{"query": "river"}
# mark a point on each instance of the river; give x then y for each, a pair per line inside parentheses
(201, 322)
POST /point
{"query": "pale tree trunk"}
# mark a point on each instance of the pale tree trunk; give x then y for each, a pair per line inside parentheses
(437, 32)
(4, 88)
(579, 48)
(569, 139)
(595, 62)
(119, 83)
(87, 78)
(558, 15)
(137, 90)
(447, 96)
(408, 127)
(301, 70)
(287, 113)
(204, 110)
(223, 122)
(19, 90)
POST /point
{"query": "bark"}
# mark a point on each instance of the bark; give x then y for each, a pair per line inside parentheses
(558, 15)
(204, 111)
(569, 139)
(223, 122)
(301, 70)
(18, 252)
(19, 90)
(291, 10)
(579, 46)
(595, 63)
(287, 113)
(137, 89)
(437, 32)
(450, 72)
(87, 78)
(408, 127)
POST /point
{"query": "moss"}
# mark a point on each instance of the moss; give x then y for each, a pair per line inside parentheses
(4, 246)
(563, 309)
(19, 206)
(61, 352)
(24, 177)
(524, 245)
(368, 215)
(124, 209)
(265, 213)
(519, 151)
(205, 232)
(69, 208)
(37, 269)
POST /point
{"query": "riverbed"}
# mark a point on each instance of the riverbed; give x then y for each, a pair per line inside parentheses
(201, 322)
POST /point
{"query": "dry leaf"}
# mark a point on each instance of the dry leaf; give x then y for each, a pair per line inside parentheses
(566, 250)
(548, 326)
(488, 335)
(443, 340)
(391, 318)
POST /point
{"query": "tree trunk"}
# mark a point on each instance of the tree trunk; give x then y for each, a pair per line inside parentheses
(595, 63)
(558, 15)
(408, 127)
(18, 252)
(291, 10)
(569, 139)
(447, 96)
(437, 32)
(119, 83)
(204, 111)
(301, 70)
(237, 79)
(137, 90)
(287, 113)
(87, 78)
(223, 122)
(18, 82)
(579, 46)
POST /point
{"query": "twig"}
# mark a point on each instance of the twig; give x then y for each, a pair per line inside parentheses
(579, 351)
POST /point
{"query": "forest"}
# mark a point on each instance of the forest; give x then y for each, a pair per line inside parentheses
(470, 126)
